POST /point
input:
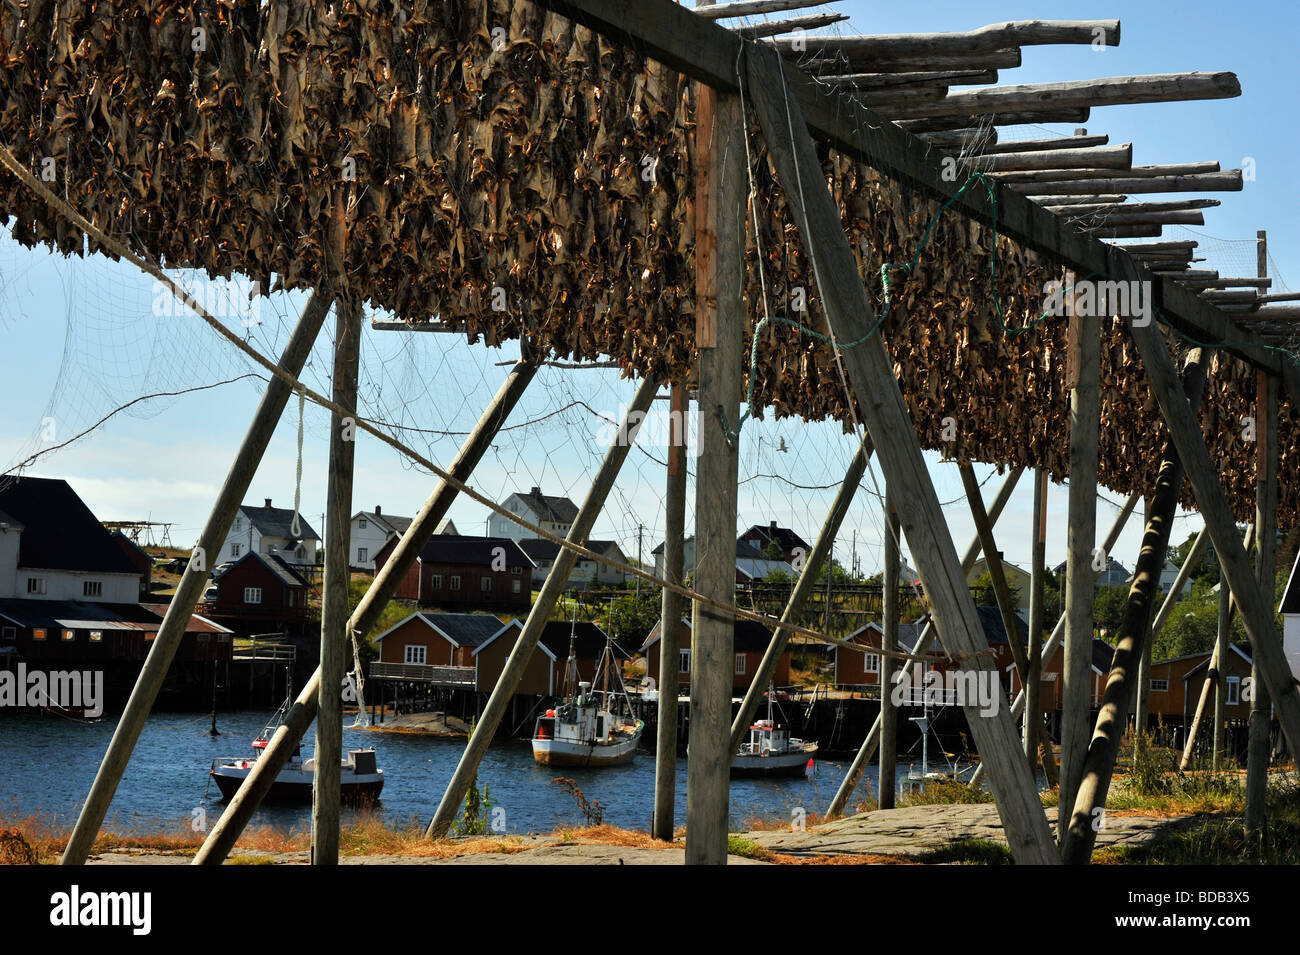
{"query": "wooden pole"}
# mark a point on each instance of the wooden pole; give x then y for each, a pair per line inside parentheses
(1175, 592)
(721, 190)
(334, 589)
(1258, 748)
(1144, 663)
(813, 563)
(193, 581)
(993, 561)
(888, 665)
(1084, 373)
(1090, 801)
(1033, 723)
(1220, 684)
(670, 621)
(869, 744)
(1058, 632)
(526, 643)
(240, 810)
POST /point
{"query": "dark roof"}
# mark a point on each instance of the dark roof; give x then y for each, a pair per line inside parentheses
(1103, 654)
(589, 640)
(76, 615)
(59, 531)
(390, 522)
(278, 522)
(742, 549)
(1291, 595)
(465, 549)
(785, 538)
(274, 563)
(560, 510)
(751, 636)
(994, 631)
(465, 629)
(539, 548)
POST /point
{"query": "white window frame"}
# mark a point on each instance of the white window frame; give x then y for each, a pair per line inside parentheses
(234, 550)
(516, 586)
(872, 663)
(435, 581)
(455, 581)
(92, 588)
(1159, 685)
(740, 664)
(1234, 691)
(36, 585)
(363, 554)
(252, 595)
(414, 650)
(361, 524)
(684, 660)
(485, 584)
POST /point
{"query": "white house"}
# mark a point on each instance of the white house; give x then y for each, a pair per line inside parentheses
(1290, 611)
(554, 514)
(53, 548)
(1168, 574)
(543, 553)
(370, 530)
(268, 530)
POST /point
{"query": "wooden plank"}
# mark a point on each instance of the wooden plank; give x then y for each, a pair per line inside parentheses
(871, 378)
(1092, 158)
(1090, 799)
(833, 63)
(1032, 684)
(812, 567)
(789, 25)
(889, 619)
(708, 53)
(880, 81)
(986, 39)
(334, 588)
(556, 581)
(1040, 145)
(235, 817)
(1014, 117)
(750, 8)
(1227, 181)
(194, 581)
(993, 561)
(1064, 173)
(1259, 744)
(869, 744)
(1080, 578)
(1092, 208)
(669, 621)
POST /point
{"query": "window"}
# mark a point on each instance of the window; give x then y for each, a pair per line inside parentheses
(92, 588)
(1159, 686)
(362, 524)
(239, 523)
(363, 554)
(202, 637)
(455, 582)
(873, 663)
(97, 636)
(8, 633)
(301, 552)
(223, 638)
(69, 636)
(252, 595)
(516, 587)
(516, 570)
(436, 581)
(740, 664)
(486, 584)
(1234, 690)
(415, 654)
(38, 634)
(36, 585)
(683, 661)
(234, 550)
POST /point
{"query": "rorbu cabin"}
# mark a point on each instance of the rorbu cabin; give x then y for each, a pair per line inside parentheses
(463, 571)
(1167, 688)
(751, 640)
(861, 668)
(259, 591)
(544, 675)
(437, 639)
(1236, 672)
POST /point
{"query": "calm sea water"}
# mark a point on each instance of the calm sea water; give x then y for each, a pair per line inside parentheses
(47, 765)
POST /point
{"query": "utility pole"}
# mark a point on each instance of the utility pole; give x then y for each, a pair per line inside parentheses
(640, 530)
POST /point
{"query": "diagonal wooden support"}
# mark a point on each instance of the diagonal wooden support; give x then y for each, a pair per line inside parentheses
(802, 588)
(1058, 632)
(871, 377)
(1090, 802)
(237, 814)
(193, 581)
(868, 748)
(887, 779)
(1258, 741)
(993, 560)
(1256, 610)
(556, 581)
(1032, 685)
(334, 588)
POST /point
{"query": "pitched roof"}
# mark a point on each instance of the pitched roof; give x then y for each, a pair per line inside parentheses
(388, 522)
(751, 636)
(462, 629)
(994, 631)
(539, 548)
(559, 510)
(589, 640)
(785, 538)
(743, 549)
(274, 563)
(1103, 654)
(77, 615)
(1291, 595)
(278, 522)
(467, 549)
(1244, 654)
(908, 634)
(59, 531)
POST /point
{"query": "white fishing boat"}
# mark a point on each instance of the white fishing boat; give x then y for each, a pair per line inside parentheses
(771, 751)
(360, 782)
(589, 728)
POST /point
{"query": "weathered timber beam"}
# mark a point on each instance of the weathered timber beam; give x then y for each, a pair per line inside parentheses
(1081, 94)
(1082, 174)
(1118, 218)
(866, 82)
(1227, 181)
(1258, 742)
(1126, 231)
(1055, 203)
(850, 313)
(706, 52)
(750, 8)
(1172, 205)
(1096, 157)
(789, 25)
(972, 141)
(1023, 117)
(986, 39)
(1040, 145)
(832, 63)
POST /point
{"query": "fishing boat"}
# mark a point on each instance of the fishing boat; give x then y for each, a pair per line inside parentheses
(591, 727)
(771, 751)
(360, 782)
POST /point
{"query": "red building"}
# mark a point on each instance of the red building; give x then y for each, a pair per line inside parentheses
(259, 592)
(750, 644)
(483, 573)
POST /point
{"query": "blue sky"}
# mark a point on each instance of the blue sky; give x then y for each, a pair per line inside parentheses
(81, 338)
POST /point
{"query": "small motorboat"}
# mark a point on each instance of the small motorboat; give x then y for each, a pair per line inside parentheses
(360, 783)
(772, 752)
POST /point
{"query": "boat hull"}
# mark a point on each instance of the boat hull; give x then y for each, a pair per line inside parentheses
(552, 752)
(294, 786)
(790, 765)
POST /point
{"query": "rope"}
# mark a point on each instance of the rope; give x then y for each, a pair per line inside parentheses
(296, 527)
